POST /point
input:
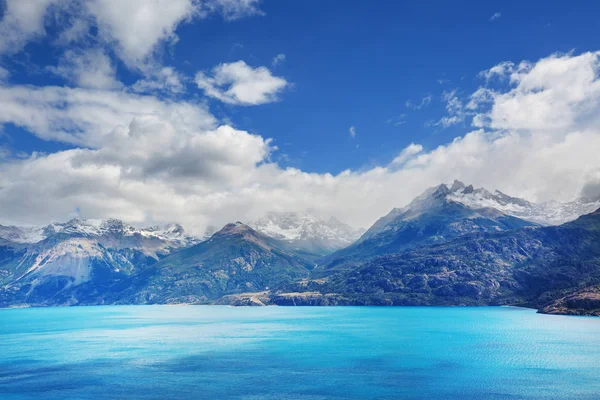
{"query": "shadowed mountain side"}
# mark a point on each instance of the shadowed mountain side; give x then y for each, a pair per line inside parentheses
(235, 259)
(430, 219)
(532, 266)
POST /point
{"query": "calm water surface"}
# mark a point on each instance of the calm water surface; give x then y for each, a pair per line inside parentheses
(196, 352)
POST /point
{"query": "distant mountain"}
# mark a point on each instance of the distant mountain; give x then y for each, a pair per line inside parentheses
(48, 265)
(86, 268)
(435, 251)
(432, 217)
(235, 259)
(549, 213)
(152, 239)
(306, 232)
(555, 269)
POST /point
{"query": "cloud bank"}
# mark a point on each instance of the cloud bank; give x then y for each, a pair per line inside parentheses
(535, 131)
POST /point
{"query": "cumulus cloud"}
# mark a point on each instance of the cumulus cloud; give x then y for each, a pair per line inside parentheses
(87, 69)
(240, 84)
(558, 93)
(150, 148)
(135, 29)
(148, 160)
(495, 17)
(21, 23)
(86, 117)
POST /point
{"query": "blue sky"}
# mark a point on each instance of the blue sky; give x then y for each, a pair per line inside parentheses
(390, 72)
(355, 65)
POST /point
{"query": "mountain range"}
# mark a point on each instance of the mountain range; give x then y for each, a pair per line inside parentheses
(452, 245)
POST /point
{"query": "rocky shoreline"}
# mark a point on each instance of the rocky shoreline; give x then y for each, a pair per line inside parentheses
(585, 303)
(580, 304)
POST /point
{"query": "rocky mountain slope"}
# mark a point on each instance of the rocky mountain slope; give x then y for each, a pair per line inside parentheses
(235, 259)
(48, 265)
(554, 269)
(68, 270)
(433, 217)
(436, 251)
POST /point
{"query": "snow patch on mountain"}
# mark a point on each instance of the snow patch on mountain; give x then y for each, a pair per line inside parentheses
(291, 226)
(173, 234)
(549, 213)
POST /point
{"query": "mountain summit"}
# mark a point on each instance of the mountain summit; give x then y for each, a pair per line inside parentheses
(114, 230)
(307, 232)
(548, 213)
(433, 217)
(235, 259)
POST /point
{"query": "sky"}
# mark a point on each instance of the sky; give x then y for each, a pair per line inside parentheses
(207, 112)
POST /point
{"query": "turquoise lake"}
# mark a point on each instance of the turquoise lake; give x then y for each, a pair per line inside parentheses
(213, 352)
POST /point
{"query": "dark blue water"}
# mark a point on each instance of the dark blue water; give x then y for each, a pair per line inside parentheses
(168, 352)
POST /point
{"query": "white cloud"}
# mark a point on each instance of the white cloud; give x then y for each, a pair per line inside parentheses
(165, 79)
(77, 30)
(481, 97)
(278, 59)
(555, 94)
(233, 9)
(454, 107)
(87, 69)
(21, 23)
(425, 101)
(151, 149)
(407, 154)
(352, 132)
(135, 29)
(397, 121)
(495, 17)
(87, 117)
(240, 84)
(4, 74)
(150, 160)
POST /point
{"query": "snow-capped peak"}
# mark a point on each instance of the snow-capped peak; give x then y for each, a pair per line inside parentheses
(549, 213)
(292, 226)
(173, 234)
